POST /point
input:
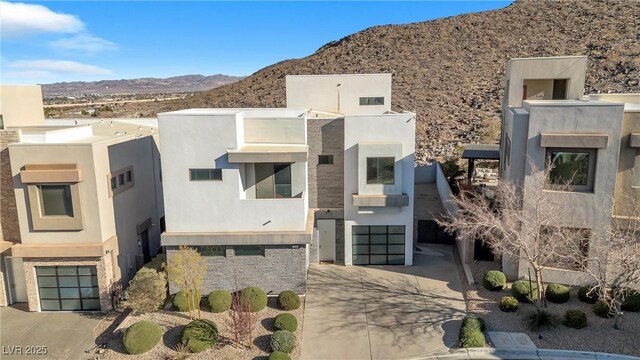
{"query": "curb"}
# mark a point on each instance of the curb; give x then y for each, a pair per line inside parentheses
(539, 354)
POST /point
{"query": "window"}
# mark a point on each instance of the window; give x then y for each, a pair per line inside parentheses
(576, 250)
(248, 250)
(68, 288)
(507, 151)
(372, 101)
(55, 200)
(121, 180)
(282, 180)
(205, 174)
(381, 170)
(273, 181)
(571, 169)
(325, 159)
(559, 89)
(378, 245)
(212, 250)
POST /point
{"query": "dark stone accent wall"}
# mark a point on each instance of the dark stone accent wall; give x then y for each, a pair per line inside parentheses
(326, 182)
(9, 226)
(283, 267)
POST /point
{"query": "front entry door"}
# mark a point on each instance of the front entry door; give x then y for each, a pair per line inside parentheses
(15, 280)
(327, 240)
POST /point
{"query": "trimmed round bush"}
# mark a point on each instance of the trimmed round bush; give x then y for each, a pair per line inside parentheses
(287, 322)
(279, 355)
(289, 300)
(142, 337)
(557, 293)
(471, 338)
(586, 295)
(283, 341)
(474, 322)
(631, 301)
(199, 335)
(494, 280)
(602, 309)
(523, 292)
(219, 301)
(181, 301)
(508, 304)
(254, 297)
(576, 319)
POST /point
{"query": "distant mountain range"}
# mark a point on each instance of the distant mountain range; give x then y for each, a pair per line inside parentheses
(184, 83)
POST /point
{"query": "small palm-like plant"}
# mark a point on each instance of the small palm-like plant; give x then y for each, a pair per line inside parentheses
(541, 319)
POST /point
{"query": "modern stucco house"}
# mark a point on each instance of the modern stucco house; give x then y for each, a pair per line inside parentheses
(548, 119)
(81, 205)
(261, 193)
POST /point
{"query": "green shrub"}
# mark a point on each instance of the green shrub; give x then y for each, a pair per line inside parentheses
(586, 295)
(141, 337)
(494, 280)
(279, 355)
(524, 292)
(289, 300)
(181, 301)
(557, 293)
(283, 341)
(219, 301)
(199, 335)
(508, 304)
(254, 297)
(540, 319)
(471, 338)
(286, 321)
(631, 301)
(157, 263)
(474, 322)
(602, 309)
(576, 319)
(147, 291)
(471, 332)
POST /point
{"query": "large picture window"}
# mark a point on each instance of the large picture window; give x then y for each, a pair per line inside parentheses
(571, 169)
(378, 245)
(381, 170)
(55, 200)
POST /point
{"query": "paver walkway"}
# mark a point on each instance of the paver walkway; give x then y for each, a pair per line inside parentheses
(65, 334)
(383, 312)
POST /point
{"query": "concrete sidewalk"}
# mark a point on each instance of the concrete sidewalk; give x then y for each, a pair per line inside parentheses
(66, 335)
(383, 312)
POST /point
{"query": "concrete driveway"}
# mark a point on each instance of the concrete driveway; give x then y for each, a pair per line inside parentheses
(383, 312)
(66, 335)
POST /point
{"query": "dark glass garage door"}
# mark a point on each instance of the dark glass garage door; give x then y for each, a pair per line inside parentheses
(378, 245)
(68, 288)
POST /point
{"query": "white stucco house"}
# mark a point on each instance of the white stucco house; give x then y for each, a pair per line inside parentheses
(261, 193)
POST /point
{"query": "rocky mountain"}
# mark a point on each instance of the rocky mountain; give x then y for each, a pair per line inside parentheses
(450, 70)
(185, 83)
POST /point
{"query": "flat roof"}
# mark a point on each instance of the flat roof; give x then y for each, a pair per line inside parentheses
(481, 151)
(90, 133)
(549, 57)
(248, 112)
(585, 102)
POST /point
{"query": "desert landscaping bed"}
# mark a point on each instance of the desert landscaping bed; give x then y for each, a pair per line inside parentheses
(172, 323)
(599, 335)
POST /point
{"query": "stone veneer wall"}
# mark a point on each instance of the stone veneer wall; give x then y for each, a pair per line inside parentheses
(103, 270)
(282, 268)
(9, 226)
(326, 182)
(340, 241)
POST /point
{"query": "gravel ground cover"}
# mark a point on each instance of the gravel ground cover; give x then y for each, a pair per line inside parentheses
(172, 323)
(599, 335)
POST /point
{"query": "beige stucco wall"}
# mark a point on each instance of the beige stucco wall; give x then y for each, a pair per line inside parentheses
(21, 105)
(339, 93)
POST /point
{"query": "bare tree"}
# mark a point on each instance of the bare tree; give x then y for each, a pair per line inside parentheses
(616, 273)
(186, 269)
(241, 320)
(521, 230)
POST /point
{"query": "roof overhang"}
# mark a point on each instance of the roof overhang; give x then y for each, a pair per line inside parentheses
(268, 153)
(481, 151)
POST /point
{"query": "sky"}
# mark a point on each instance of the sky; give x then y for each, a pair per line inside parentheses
(46, 42)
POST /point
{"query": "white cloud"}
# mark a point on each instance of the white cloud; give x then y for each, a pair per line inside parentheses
(61, 66)
(28, 74)
(21, 20)
(86, 43)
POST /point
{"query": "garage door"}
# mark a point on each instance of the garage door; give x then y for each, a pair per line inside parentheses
(68, 288)
(378, 245)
